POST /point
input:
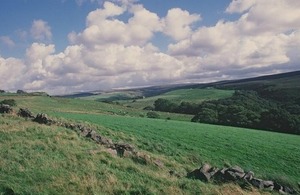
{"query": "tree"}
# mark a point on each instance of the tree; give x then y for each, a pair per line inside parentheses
(164, 105)
(152, 115)
(10, 102)
(206, 115)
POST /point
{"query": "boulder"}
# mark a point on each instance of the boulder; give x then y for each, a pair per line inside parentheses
(277, 186)
(5, 108)
(25, 113)
(248, 176)
(205, 173)
(268, 185)
(121, 148)
(85, 132)
(99, 139)
(258, 183)
(288, 190)
(43, 119)
(233, 174)
(219, 176)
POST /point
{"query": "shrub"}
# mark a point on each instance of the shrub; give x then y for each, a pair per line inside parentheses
(152, 115)
(148, 108)
(10, 102)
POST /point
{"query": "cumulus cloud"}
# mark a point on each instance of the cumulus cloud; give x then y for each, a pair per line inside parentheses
(40, 31)
(240, 6)
(110, 52)
(178, 23)
(11, 73)
(260, 39)
(7, 41)
(104, 28)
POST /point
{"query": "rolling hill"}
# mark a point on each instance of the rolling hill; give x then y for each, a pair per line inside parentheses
(42, 159)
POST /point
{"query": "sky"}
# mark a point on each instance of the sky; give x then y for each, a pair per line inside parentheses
(66, 46)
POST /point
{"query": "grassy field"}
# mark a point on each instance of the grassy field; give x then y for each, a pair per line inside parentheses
(39, 159)
(180, 95)
(193, 143)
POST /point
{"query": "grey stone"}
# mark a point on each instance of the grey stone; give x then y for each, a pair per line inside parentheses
(258, 183)
(268, 185)
(236, 169)
(248, 176)
(4, 108)
(25, 112)
(43, 119)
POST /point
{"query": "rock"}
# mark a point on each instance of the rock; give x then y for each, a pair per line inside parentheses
(5, 108)
(158, 163)
(230, 176)
(205, 173)
(268, 185)
(205, 168)
(112, 151)
(70, 126)
(248, 176)
(236, 169)
(142, 158)
(85, 132)
(43, 119)
(288, 190)
(121, 148)
(258, 183)
(25, 113)
(197, 174)
(277, 186)
(219, 175)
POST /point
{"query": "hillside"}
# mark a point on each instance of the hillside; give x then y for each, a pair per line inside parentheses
(287, 80)
(54, 160)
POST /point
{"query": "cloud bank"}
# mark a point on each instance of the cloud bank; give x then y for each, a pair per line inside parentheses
(111, 52)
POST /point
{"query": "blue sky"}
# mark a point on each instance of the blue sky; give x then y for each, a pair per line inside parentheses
(65, 16)
(62, 46)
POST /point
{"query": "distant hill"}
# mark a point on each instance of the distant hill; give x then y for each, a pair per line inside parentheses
(284, 82)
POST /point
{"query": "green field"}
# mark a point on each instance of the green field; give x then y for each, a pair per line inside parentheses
(181, 95)
(40, 159)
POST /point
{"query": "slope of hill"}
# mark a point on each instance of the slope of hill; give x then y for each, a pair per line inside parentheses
(40, 159)
(288, 80)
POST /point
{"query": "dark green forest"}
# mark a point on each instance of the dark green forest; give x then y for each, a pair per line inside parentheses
(274, 110)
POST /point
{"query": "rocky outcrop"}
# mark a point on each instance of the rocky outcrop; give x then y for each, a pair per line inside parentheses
(43, 119)
(82, 130)
(4, 108)
(208, 173)
(25, 113)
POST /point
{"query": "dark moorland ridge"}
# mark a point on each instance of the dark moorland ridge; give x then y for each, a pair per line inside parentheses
(248, 83)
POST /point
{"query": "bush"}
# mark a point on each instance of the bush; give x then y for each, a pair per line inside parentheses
(10, 102)
(152, 115)
(148, 108)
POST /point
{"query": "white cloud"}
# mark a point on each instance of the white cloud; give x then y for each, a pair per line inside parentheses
(40, 31)
(259, 39)
(111, 52)
(178, 23)
(104, 28)
(11, 73)
(240, 6)
(7, 41)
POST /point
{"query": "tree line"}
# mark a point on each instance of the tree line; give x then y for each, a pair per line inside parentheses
(244, 109)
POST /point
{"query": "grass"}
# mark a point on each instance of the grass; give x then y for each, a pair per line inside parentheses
(189, 95)
(52, 105)
(193, 143)
(180, 95)
(39, 159)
